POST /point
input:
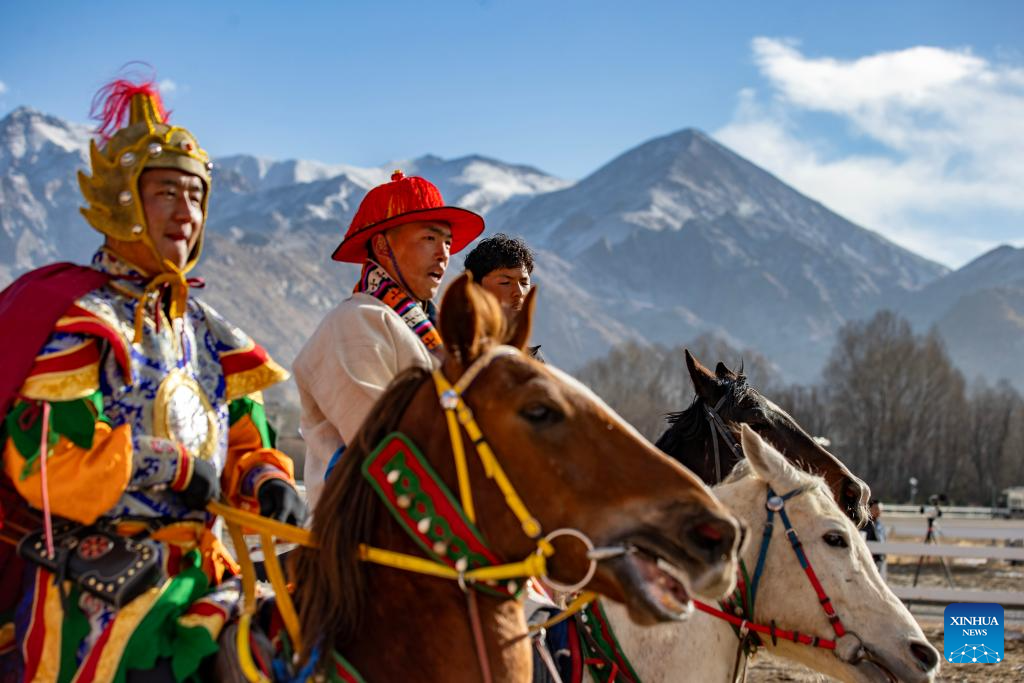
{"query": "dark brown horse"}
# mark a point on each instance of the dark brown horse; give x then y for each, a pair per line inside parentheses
(575, 463)
(726, 397)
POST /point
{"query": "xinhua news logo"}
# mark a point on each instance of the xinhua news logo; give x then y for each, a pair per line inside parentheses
(973, 633)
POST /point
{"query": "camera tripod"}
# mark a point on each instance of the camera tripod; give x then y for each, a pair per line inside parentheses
(931, 536)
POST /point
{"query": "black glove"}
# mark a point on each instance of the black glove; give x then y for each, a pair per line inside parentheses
(203, 487)
(279, 500)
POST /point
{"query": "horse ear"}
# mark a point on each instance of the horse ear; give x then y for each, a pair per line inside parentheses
(470, 317)
(767, 462)
(519, 336)
(704, 382)
(722, 371)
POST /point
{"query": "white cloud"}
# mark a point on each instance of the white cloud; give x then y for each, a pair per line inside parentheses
(3, 88)
(943, 130)
(167, 86)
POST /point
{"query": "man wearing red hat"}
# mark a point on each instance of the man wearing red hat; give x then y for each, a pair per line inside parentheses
(403, 234)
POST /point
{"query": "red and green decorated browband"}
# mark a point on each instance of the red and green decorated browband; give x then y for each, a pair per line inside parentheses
(428, 512)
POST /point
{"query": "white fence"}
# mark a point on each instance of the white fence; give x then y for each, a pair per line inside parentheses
(972, 529)
(973, 524)
(1005, 539)
(947, 511)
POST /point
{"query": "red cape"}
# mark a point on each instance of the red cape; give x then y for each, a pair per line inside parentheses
(29, 308)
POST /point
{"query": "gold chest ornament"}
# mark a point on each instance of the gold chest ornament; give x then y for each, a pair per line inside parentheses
(182, 412)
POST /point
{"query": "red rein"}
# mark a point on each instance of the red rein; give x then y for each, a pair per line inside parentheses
(777, 504)
(771, 630)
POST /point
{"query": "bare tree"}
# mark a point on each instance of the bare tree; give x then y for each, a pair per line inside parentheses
(891, 403)
(644, 383)
(807, 404)
(896, 405)
(993, 412)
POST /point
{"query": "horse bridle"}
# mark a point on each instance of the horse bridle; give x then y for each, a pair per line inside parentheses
(717, 426)
(458, 416)
(741, 614)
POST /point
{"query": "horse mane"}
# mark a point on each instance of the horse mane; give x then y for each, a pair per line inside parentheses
(691, 423)
(332, 574)
(743, 469)
(686, 425)
(740, 471)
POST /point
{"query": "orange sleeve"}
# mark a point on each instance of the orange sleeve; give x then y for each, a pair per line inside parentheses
(250, 464)
(83, 482)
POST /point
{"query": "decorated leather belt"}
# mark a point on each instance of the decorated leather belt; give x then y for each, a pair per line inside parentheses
(101, 561)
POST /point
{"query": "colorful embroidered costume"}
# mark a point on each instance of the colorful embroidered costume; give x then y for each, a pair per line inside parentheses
(145, 389)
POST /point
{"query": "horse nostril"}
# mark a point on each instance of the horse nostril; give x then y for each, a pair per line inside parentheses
(713, 536)
(925, 655)
(709, 532)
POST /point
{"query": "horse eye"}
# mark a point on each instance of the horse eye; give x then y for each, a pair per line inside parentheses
(759, 415)
(835, 539)
(539, 413)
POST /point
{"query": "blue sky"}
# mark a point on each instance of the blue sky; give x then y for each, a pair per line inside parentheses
(870, 107)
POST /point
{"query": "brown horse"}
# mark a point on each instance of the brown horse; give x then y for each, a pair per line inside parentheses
(725, 397)
(576, 465)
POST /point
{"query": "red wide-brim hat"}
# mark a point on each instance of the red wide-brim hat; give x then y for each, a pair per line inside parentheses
(405, 200)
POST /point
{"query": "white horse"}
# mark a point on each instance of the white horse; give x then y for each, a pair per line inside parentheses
(882, 642)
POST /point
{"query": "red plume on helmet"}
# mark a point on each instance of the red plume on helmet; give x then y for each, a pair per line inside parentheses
(134, 136)
(112, 105)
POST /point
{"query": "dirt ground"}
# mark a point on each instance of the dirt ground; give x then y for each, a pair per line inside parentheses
(993, 576)
(990, 576)
(769, 669)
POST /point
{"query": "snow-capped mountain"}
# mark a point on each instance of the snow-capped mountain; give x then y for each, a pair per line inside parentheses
(479, 183)
(666, 183)
(984, 333)
(999, 268)
(39, 196)
(267, 196)
(259, 174)
(675, 237)
(979, 310)
(680, 235)
(278, 220)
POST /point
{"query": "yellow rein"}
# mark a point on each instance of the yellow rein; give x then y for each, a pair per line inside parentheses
(455, 409)
(456, 413)
(268, 529)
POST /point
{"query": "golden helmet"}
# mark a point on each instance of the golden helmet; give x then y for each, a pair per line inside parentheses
(145, 141)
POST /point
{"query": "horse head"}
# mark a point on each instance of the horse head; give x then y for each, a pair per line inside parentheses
(725, 396)
(877, 638)
(582, 467)
(566, 457)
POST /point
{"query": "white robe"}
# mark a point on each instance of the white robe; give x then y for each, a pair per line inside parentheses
(359, 347)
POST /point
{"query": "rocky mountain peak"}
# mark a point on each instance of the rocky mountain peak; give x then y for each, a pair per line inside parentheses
(670, 239)
(26, 135)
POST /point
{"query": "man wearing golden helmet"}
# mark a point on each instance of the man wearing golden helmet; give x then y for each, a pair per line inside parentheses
(128, 405)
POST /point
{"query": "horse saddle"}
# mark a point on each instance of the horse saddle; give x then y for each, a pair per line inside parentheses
(112, 567)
